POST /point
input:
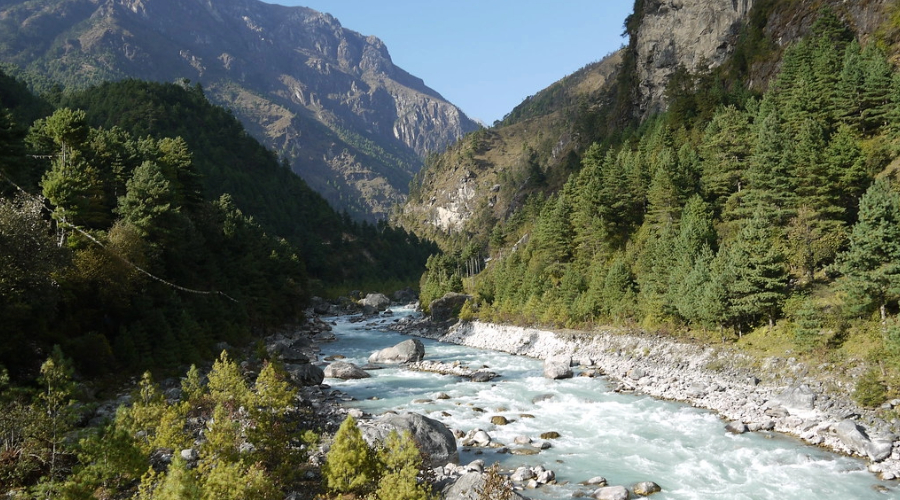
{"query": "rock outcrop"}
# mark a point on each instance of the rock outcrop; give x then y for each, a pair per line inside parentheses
(694, 34)
(448, 306)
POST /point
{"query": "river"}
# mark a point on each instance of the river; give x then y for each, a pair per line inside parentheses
(623, 437)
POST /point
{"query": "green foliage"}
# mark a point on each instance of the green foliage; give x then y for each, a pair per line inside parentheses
(871, 264)
(350, 465)
(870, 391)
(401, 462)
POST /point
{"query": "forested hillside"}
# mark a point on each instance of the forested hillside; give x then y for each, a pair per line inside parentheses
(733, 213)
(141, 225)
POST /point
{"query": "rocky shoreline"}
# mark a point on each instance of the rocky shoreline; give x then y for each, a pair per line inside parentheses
(774, 395)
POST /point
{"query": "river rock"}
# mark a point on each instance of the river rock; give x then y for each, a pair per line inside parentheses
(594, 481)
(408, 351)
(879, 449)
(736, 427)
(549, 435)
(522, 474)
(800, 397)
(305, 374)
(288, 351)
(476, 437)
(611, 493)
(852, 436)
(542, 397)
(345, 371)
(377, 301)
(482, 376)
(557, 367)
(434, 438)
(448, 306)
(646, 488)
(469, 487)
(405, 296)
(499, 420)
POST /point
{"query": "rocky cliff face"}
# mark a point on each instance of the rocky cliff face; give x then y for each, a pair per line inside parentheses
(696, 34)
(701, 34)
(353, 124)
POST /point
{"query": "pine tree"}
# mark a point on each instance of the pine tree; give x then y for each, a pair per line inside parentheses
(760, 280)
(871, 264)
(401, 462)
(149, 203)
(350, 465)
(770, 182)
(725, 147)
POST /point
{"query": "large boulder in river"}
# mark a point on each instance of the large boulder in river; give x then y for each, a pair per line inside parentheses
(345, 370)
(611, 493)
(305, 374)
(377, 301)
(556, 367)
(448, 306)
(408, 351)
(432, 437)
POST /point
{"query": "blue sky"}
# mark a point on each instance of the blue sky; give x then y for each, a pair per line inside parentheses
(486, 56)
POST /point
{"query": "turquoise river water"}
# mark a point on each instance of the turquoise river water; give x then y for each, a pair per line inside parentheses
(625, 438)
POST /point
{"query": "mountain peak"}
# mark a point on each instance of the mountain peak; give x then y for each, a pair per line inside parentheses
(329, 99)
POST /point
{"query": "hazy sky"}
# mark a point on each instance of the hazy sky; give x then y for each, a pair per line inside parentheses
(486, 56)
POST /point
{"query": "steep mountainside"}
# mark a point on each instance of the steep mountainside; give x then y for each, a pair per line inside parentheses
(675, 47)
(329, 99)
(489, 175)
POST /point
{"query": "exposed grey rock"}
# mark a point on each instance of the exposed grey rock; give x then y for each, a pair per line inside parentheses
(557, 367)
(482, 376)
(405, 296)
(879, 449)
(852, 436)
(448, 306)
(476, 437)
(696, 34)
(305, 374)
(595, 481)
(432, 437)
(611, 493)
(407, 351)
(377, 301)
(190, 454)
(736, 427)
(345, 370)
(646, 488)
(522, 474)
(800, 397)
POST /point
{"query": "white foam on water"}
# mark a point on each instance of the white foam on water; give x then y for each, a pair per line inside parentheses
(623, 437)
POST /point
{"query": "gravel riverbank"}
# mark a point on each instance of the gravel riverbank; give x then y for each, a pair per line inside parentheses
(768, 395)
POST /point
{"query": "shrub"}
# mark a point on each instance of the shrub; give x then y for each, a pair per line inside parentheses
(350, 465)
(870, 391)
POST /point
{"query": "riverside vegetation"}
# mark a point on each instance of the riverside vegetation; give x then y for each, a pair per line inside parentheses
(765, 220)
(141, 227)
